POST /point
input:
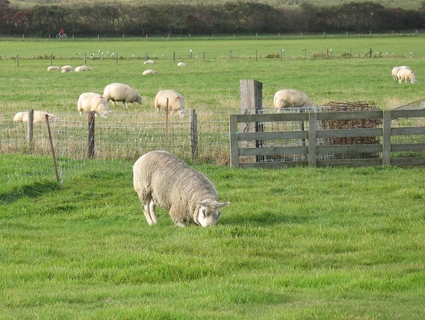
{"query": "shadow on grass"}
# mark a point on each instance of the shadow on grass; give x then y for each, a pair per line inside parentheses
(266, 218)
(32, 190)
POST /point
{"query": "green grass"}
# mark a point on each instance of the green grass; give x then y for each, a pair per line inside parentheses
(299, 243)
(212, 84)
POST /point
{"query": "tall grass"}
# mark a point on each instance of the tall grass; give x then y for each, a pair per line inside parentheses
(300, 243)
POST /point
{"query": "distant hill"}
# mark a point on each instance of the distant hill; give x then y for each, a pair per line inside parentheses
(405, 4)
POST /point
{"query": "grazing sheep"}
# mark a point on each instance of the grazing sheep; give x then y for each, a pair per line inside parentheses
(161, 179)
(39, 116)
(82, 68)
(176, 101)
(149, 62)
(395, 70)
(93, 102)
(290, 98)
(406, 75)
(53, 68)
(67, 68)
(149, 71)
(182, 64)
(121, 92)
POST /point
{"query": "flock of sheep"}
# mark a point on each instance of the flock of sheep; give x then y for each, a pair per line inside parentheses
(169, 100)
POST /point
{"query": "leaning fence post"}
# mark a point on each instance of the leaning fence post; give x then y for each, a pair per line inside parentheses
(52, 147)
(193, 120)
(91, 122)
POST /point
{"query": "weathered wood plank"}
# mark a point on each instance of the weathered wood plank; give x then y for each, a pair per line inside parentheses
(354, 148)
(275, 151)
(360, 132)
(408, 147)
(273, 135)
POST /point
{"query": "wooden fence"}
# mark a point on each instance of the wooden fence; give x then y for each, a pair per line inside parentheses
(308, 144)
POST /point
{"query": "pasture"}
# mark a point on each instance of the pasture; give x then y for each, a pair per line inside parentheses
(298, 243)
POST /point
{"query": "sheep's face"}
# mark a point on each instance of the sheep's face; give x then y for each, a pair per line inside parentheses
(209, 212)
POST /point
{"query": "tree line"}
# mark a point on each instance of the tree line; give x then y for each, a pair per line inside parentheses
(230, 18)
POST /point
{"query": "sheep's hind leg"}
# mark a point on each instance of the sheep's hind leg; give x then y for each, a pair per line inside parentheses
(152, 212)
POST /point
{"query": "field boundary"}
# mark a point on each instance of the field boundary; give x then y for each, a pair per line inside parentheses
(312, 145)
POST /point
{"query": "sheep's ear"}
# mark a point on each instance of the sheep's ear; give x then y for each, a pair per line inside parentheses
(225, 204)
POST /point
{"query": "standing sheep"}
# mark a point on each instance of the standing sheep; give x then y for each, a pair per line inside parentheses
(406, 75)
(39, 116)
(291, 98)
(161, 179)
(395, 70)
(93, 102)
(176, 101)
(121, 92)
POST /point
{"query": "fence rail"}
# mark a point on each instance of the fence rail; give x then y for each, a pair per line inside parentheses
(311, 144)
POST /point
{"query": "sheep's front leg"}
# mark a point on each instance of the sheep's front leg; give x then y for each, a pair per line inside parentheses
(149, 211)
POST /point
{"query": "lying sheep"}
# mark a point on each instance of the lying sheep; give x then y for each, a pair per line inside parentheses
(121, 92)
(39, 116)
(176, 101)
(149, 62)
(406, 75)
(161, 179)
(53, 68)
(93, 102)
(149, 71)
(291, 98)
(82, 68)
(182, 64)
(67, 68)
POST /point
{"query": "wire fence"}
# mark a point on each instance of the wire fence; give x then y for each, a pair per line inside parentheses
(123, 136)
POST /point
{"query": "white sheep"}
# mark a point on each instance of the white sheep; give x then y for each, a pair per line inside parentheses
(182, 64)
(82, 68)
(38, 116)
(395, 71)
(67, 68)
(149, 71)
(93, 102)
(121, 92)
(53, 68)
(291, 98)
(149, 62)
(406, 75)
(161, 179)
(176, 101)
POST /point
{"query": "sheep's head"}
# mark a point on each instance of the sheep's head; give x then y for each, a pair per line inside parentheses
(208, 212)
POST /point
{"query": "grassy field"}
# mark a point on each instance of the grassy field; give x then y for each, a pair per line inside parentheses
(300, 243)
(318, 66)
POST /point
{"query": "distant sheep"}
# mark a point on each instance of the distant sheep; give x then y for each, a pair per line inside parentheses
(93, 102)
(291, 98)
(149, 71)
(121, 92)
(176, 101)
(161, 179)
(395, 71)
(406, 75)
(182, 64)
(149, 62)
(53, 68)
(67, 68)
(82, 68)
(39, 116)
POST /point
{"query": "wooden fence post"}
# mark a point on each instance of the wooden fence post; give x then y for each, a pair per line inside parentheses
(193, 120)
(91, 122)
(386, 139)
(312, 139)
(252, 103)
(30, 136)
